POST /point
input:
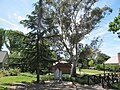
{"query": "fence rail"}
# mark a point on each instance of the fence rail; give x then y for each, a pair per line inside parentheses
(106, 80)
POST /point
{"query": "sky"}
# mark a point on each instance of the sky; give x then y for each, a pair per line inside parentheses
(13, 11)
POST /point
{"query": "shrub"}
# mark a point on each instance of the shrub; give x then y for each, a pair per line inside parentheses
(6, 72)
(9, 72)
(91, 63)
(1, 73)
(14, 72)
(115, 86)
(47, 77)
(81, 80)
(99, 67)
(108, 67)
(66, 77)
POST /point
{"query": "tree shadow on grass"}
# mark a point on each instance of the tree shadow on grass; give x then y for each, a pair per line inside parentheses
(51, 85)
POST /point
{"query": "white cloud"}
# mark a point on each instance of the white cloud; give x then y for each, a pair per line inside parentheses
(18, 17)
(116, 39)
(13, 26)
(4, 20)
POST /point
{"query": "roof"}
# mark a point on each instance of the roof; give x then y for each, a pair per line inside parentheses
(63, 65)
(112, 60)
(60, 62)
(2, 55)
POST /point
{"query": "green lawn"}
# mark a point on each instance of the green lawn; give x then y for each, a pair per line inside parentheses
(7, 81)
(90, 71)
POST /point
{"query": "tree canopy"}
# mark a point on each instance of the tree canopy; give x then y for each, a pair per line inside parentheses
(101, 58)
(2, 38)
(114, 26)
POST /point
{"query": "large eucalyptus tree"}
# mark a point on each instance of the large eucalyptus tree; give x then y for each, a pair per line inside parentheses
(72, 20)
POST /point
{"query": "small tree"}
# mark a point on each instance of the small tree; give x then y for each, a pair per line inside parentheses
(89, 51)
(91, 63)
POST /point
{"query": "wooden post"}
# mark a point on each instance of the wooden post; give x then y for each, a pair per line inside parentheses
(94, 79)
(108, 80)
(100, 78)
(102, 81)
(112, 77)
(88, 80)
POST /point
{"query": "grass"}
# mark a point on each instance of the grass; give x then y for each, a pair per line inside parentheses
(5, 82)
(28, 74)
(90, 71)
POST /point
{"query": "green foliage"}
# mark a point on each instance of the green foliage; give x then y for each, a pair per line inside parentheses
(114, 26)
(14, 72)
(37, 50)
(113, 68)
(67, 77)
(2, 37)
(47, 77)
(1, 74)
(81, 79)
(99, 67)
(6, 72)
(108, 67)
(101, 58)
(9, 72)
(89, 51)
(115, 86)
(31, 55)
(14, 40)
(91, 63)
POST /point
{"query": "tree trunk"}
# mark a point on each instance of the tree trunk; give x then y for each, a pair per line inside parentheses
(38, 75)
(74, 62)
(38, 38)
(73, 69)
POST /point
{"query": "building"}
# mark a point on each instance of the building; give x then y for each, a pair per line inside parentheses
(3, 58)
(113, 60)
(62, 66)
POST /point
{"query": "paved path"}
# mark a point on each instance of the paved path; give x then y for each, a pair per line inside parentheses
(52, 85)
